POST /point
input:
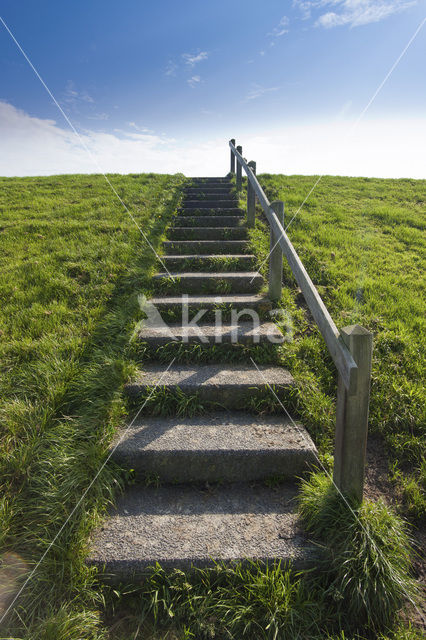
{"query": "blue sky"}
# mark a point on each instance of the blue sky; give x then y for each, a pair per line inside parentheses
(163, 86)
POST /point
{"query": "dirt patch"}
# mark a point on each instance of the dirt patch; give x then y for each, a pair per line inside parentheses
(377, 483)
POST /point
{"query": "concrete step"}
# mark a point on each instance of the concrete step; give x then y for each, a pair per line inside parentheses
(203, 195)
(208, 221)
(183, 526)
(205, 246)
(214, 211)
(230, 447)
(175, 304)
(209, 282)
(210, 203)
(209, 181)
(207, 233)
(205, 190)
(238, 333)
(223, 386)
(217, 262)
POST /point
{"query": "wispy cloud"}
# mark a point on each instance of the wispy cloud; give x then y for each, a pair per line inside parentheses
(72, 96)
(193, 81)
(186, 60)
(194, 58)
(171, 68)
(99, 116)
(138, 128)
(281, 28)
(80, 102)
(352, 13)
(257, 91)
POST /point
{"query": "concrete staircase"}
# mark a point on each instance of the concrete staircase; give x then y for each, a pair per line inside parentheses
(209, 501)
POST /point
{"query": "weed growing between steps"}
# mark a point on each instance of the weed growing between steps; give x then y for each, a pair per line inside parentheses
(201, 353)
(73, 265)
(213, 264)
(174, 315)
(160, 401)
(250, 601)
(240, 602)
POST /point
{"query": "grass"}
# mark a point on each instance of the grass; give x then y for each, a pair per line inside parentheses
(215, 263)
(362, 242)
(160, 401)
(365, 562)
(244, 601)
(73, 265)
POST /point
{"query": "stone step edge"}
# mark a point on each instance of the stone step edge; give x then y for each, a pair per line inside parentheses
(208, 256)
(213, 299)
(220, 275)
(207, 242)
(187, 222)
(243, 332)
(202, 229)
(214, 211)
(210, 377)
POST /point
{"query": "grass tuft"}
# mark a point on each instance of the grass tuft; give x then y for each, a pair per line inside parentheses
(366, 554)
(244, 601)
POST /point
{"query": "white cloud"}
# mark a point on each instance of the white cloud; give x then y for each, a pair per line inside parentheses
(257, 91)
(281, 28)
(193, 81)
(353, 13)
(382, 148)
(194, 58)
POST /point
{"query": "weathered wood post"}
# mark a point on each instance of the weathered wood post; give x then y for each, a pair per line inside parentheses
(251, 198)
(239, 176)
(276, 256)
(352, 416)
(232, 157)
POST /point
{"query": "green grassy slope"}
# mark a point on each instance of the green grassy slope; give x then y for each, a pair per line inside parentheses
(72, 264)
(362, 242)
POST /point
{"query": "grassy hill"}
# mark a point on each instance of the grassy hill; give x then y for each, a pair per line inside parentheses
(362, 242)
(72, 265)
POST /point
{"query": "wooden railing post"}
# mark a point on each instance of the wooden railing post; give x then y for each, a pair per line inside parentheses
(239, 174)
(352, 416)
(232, 157)
(276, 256)
(251, 198)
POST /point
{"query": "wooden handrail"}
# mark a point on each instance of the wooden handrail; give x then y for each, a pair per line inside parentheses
(342, 358)
(351, 348)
